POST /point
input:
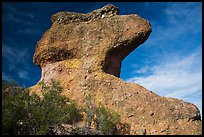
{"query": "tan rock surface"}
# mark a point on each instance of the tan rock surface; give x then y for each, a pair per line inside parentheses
(85, 51)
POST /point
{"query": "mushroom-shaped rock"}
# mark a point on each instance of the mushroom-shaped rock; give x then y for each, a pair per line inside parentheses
(84, 52)
(101, 35)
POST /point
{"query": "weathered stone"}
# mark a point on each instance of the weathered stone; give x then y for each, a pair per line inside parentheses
(84, 52)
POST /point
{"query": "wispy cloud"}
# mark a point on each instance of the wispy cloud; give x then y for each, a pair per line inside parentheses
(174, 76)
(173, 63)
(23, 74)
(29, 31)
(140, 70)
(19, 17)
(15, 50)
(182, 20)
(30, 15)
(6, 77)
(15, 19)
(178, 77)
(14, 55)
(11, 14)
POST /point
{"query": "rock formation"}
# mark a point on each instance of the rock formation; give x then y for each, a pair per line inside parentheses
(84, 52)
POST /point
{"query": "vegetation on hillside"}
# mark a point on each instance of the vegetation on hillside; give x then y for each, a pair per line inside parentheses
(25, 114)
(29, 114)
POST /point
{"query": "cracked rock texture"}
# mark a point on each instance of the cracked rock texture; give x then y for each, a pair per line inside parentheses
(84, 52)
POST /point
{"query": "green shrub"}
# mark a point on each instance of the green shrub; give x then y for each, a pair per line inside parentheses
(24, 114)
(29, 114)
(104, 120)
(14, 109)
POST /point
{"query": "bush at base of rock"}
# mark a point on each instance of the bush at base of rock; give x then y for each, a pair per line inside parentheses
(24, 114)
(100, 117)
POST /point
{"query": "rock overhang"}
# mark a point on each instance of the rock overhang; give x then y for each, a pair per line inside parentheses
(82, 55)
(100, 34)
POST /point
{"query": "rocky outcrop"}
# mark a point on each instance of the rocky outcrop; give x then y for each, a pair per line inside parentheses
(84, 52)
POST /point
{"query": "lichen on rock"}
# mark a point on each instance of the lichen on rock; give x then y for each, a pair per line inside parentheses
(85, 51)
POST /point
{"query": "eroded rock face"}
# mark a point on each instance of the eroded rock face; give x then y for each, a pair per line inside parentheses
(85, 51)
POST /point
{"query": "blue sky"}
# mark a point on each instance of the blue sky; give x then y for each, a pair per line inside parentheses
(168, 63)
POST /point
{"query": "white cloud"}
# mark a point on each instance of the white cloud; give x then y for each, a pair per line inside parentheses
(177, 77)
(174, 54)
(181, 20)
(14, 55)
(174, 71)
(7, 51)
(14, 58)
(186, 16)
(11, 14)
(29, 31)
(140, 70)
(13, 18)
(30, 15)
(23, 74)
(6, 77)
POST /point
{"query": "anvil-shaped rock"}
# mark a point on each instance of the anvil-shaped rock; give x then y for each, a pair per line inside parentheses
(85, 51)
(101, 36)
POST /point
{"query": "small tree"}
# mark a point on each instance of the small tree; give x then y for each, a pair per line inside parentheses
(29, 114)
